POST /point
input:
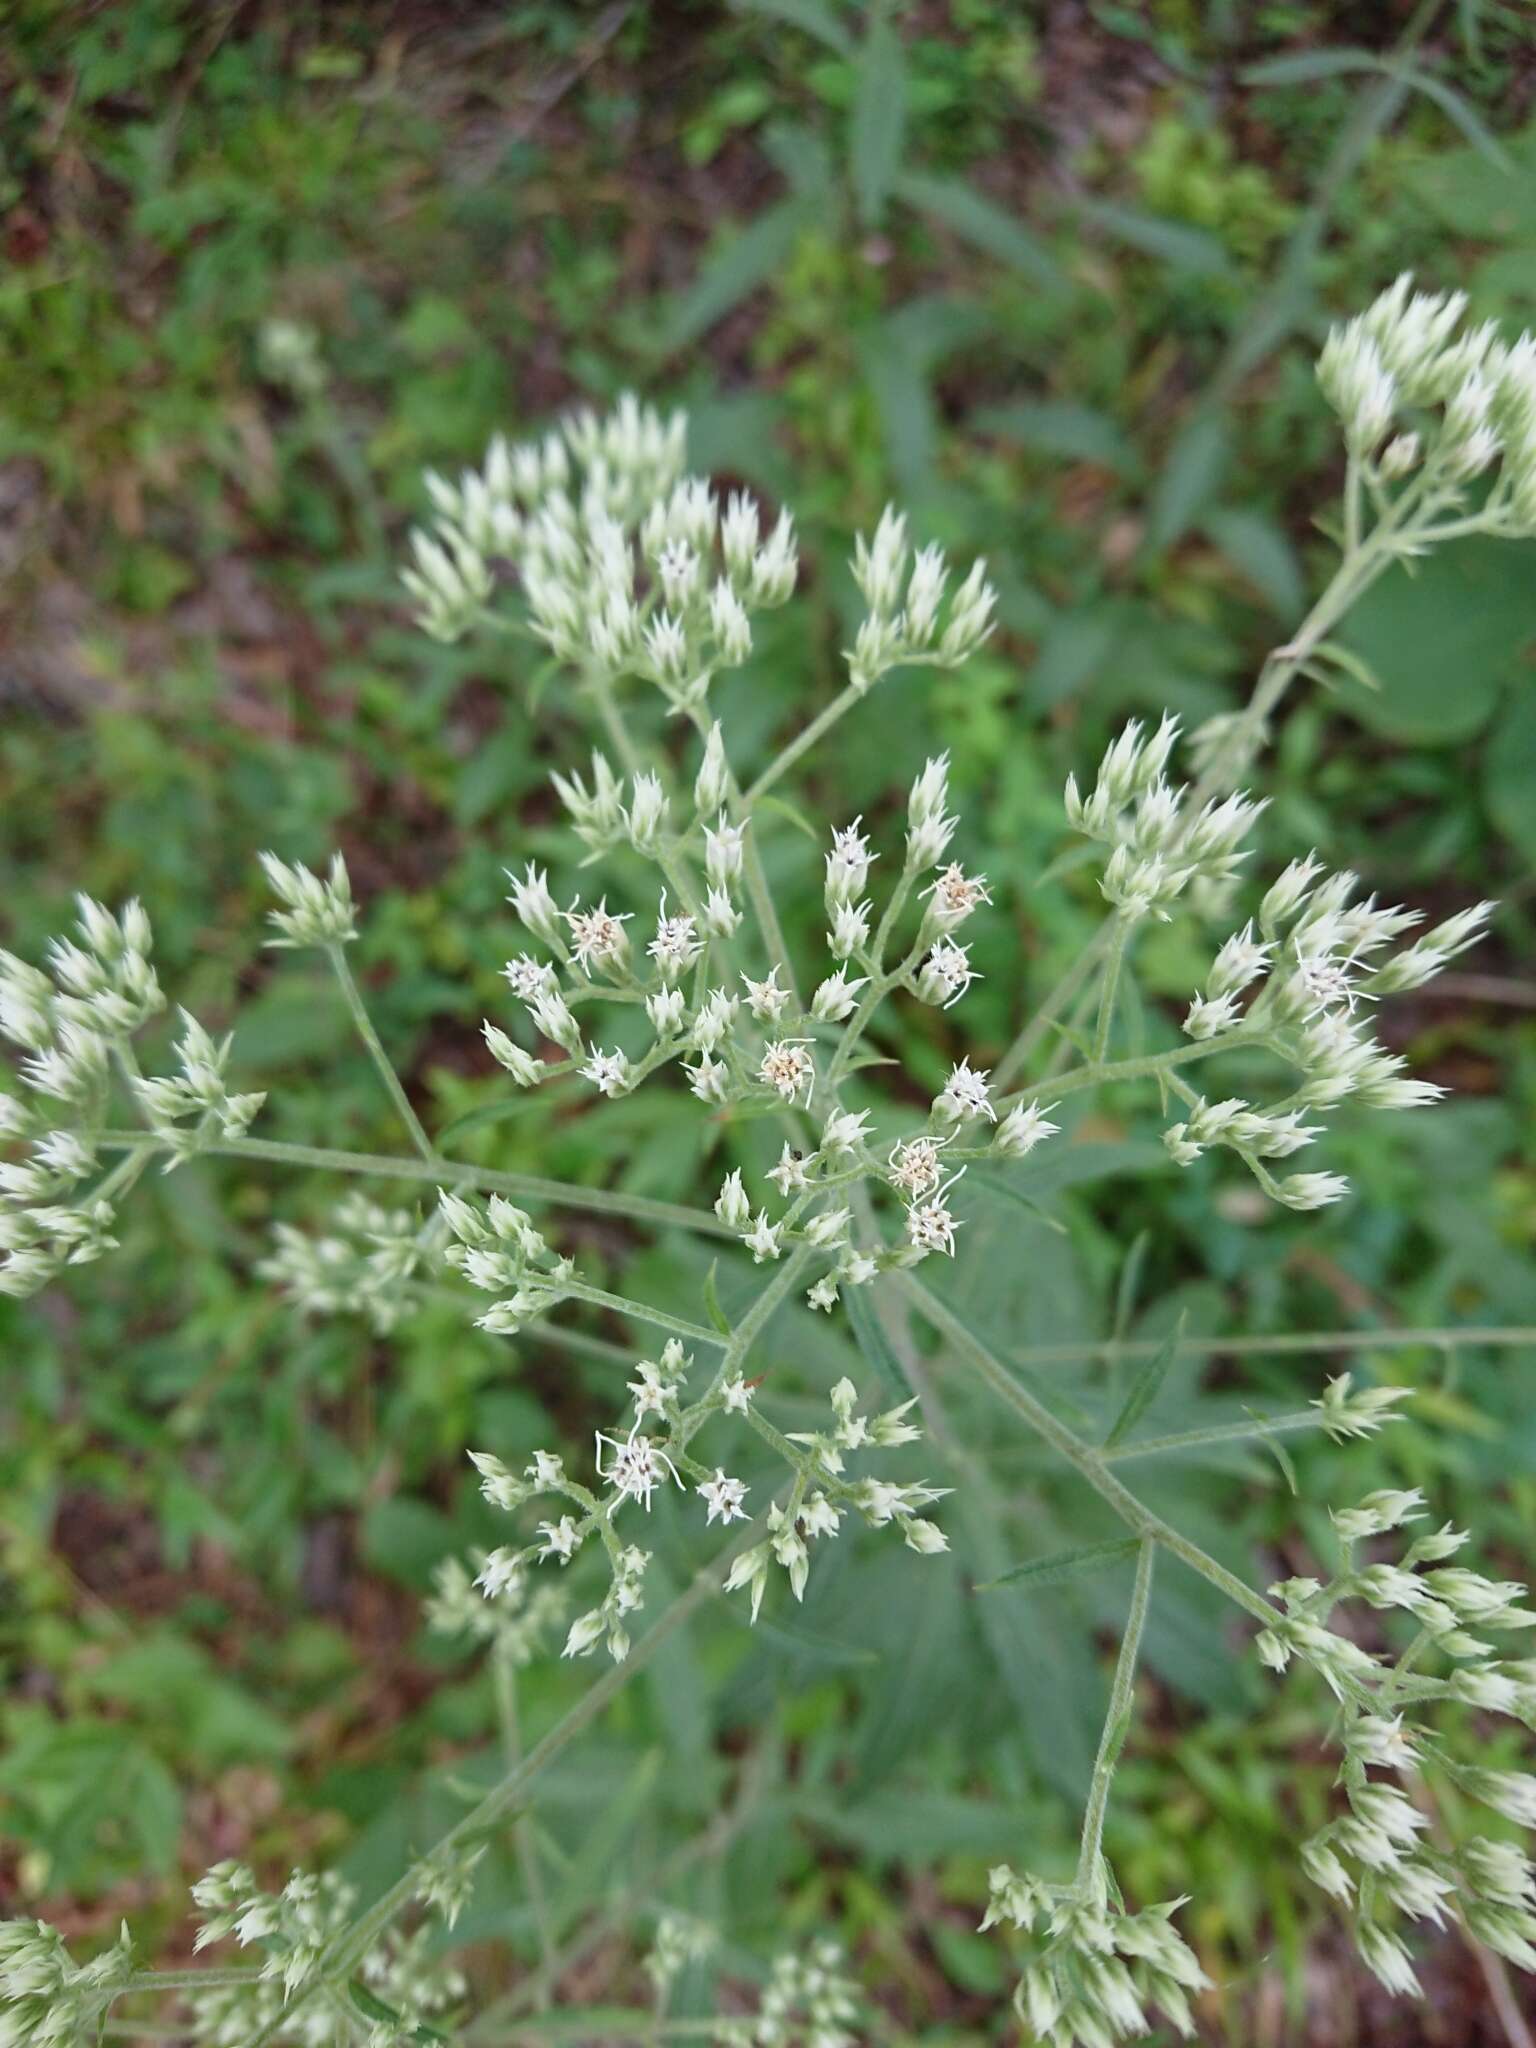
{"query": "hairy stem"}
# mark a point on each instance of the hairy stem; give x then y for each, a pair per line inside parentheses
(1116, 1722)
(450, 1173)
(504, 1679)
(337, 956)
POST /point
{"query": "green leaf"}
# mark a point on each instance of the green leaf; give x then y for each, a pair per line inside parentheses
(1261, 549)
(784, 809)
(1172, 242)
(1191, 476)
(869, 1334)
(733, 272)
(879, 120)
(1444, 641)
(982, 223)
(1509, 774)
(1080, 433)
(1146, 1385)
(981, 1177)
(1040, 1572)
(815, 18)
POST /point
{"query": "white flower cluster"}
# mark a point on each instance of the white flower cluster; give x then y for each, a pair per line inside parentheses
(1379, 1854)
(1092, 1970)
(908, 620)
(296, 1928)
(502, 1608)
(189, 1109)
(1430, 406)
(635, 1466)
(47, 1999)
(68, 1025)
(680, 1940)
(314, 912)
(808, 2002)
(1313, 967)
(364, 1263)
(627, 566)
(496, 1248)
(1159, 844)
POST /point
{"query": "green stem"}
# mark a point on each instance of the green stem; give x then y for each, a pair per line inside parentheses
(805, 739)
(1054, 1003)
(641, 1312)
(1109, 985)
(1082, 1456)
(504, 1678)
(1445, 1337)
(450, 1173)
(1116, 1722)
(381, 1060)
(1218, 1433)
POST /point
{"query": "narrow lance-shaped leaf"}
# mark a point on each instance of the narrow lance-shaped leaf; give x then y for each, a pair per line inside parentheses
(1146, 1386)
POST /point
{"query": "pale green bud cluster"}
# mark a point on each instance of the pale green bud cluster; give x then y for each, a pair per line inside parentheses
(47, 1999)
(366, 1262)
(314, 912)
(1379, 1857)
(1091, 1972)
(908, 619)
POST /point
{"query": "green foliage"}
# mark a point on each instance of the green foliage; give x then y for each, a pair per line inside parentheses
(867, 251)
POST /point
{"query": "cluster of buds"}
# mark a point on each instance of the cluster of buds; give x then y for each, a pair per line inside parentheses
(809, 2001)
(189, 1109)
(1092, 1970)
(365, 1263)
(821, 1495)
(297, 1928)
(909, 619)
(1159, 845)
(1297, 989)
(680, 1941)
(312, 911)
(626, 565)
(1377, 1856)
(47, 1999)
(1422, 397)
(499, 1604)
(496, 1248)
(68, 1025)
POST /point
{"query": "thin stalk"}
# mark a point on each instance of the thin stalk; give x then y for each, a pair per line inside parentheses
(347, 1951)
(1116, 1722)
(805, 739)
(1082, 1456)
(641, 1312)
(1218, 1433)
(1444, 1337)
(1054, 1003)
(1109, 984)
(451, 1173)
(504, 1679)
(381, 1060)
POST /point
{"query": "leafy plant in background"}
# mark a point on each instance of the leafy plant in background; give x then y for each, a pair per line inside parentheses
(634, 574)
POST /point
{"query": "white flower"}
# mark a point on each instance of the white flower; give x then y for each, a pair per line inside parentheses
(765, 999)
(965, 1095)
(845, 1131)
(834, 998)
(676, 945)
(787, 1067)
(608, 1072)
(1024, 1127)
(530, 978)
(598, 938)
(736, 1395)
(931, 1227)
(731, 1204)
(848, 863)
(723, 1496)
(560, 1539)
(946, 974)
(637, 1465)
(914, 1165)
(822, 1294)
(790, 1172)
(762, 1240)
(955, 895)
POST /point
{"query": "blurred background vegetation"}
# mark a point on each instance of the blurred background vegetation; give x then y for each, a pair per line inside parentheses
(1053, 275)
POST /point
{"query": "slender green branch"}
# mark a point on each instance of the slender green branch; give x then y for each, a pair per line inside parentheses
(1218, 1433)
(1116, 1722)
(337, 956)
(451, 1173)
(805, 739)
(1109, 983)
(1077, 1453)
(504, 1679)
(1051, 1007)
(1444, 1337)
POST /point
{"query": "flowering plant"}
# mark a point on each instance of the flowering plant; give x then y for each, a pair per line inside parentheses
(672, 962)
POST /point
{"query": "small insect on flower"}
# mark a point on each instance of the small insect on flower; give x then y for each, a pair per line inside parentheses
(789, 1174)
(788, 1067)
(723, 1496)
(636, 1467)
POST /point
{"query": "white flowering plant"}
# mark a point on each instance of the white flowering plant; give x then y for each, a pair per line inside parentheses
(655, 956)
